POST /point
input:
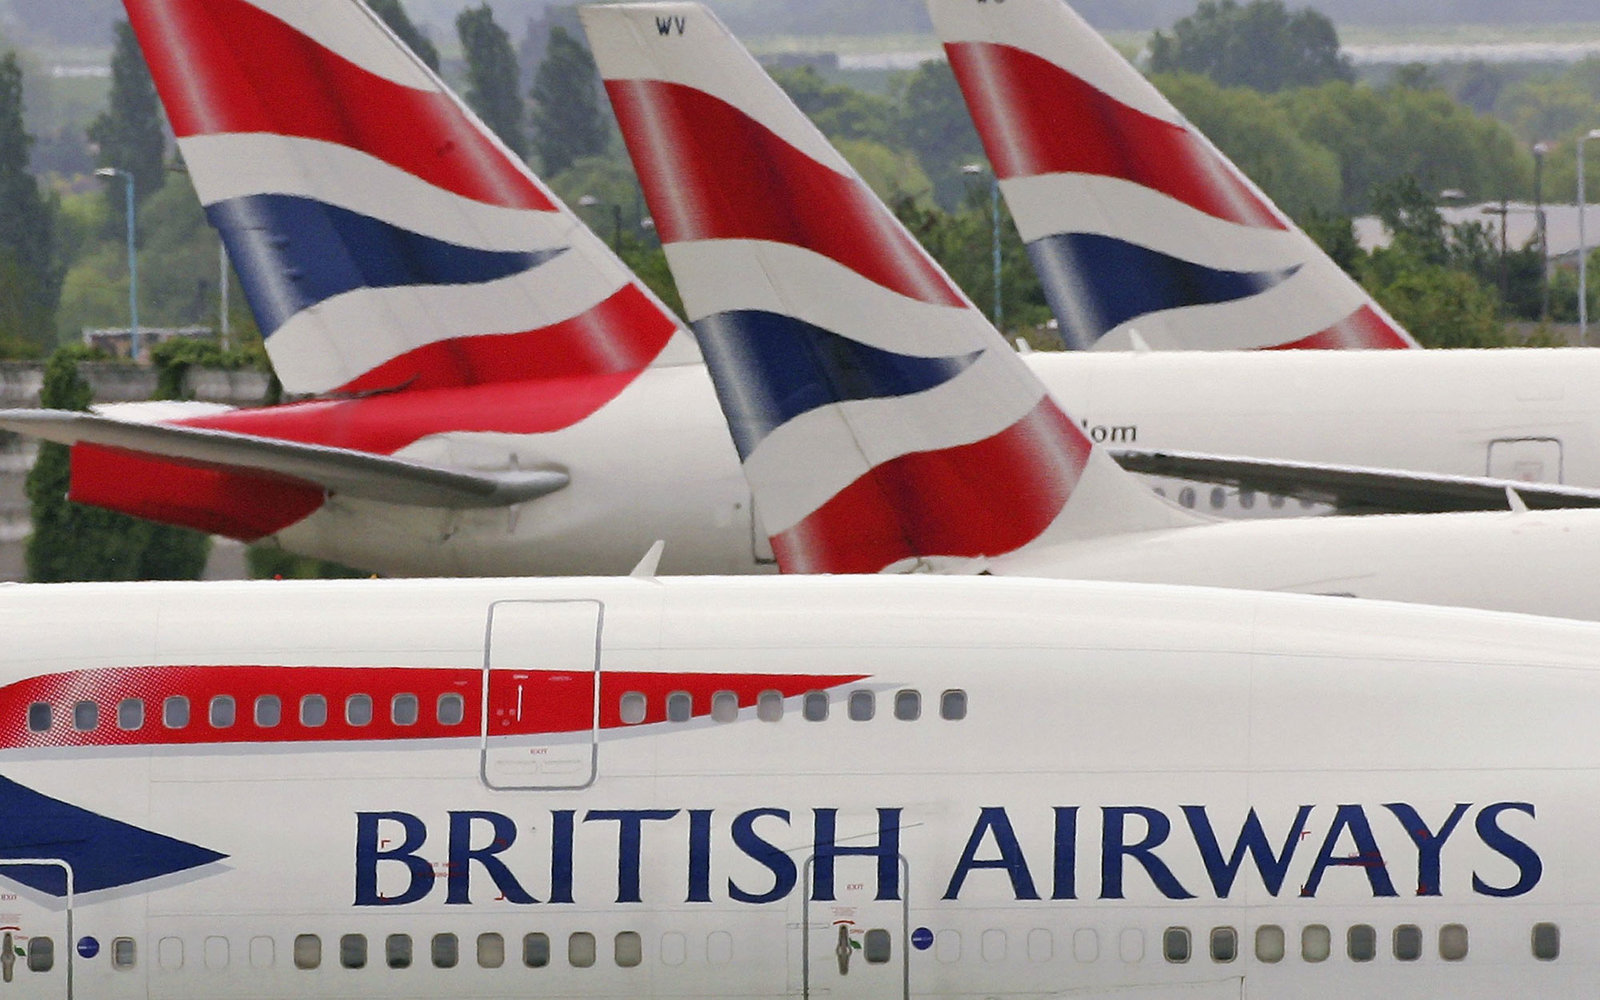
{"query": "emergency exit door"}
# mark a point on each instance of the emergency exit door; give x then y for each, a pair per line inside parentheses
(541, 689)
(35, 930)
(855, 946)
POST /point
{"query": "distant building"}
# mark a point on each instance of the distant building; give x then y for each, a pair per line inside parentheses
(1561, 226)
(117, 341)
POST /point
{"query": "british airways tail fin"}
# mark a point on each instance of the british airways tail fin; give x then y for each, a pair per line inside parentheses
(882, 422)
(385, 239)
(1139, 228)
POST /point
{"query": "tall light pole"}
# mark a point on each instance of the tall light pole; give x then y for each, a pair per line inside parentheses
(1540, 149)
(977, 170)
(1583, 245)
(133, 260)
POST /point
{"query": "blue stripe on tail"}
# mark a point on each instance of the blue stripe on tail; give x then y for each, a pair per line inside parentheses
(769, 369)
(1095, 283)
(292, 253)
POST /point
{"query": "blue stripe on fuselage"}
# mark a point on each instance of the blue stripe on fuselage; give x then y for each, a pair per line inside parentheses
(292, 253)
(1095, 283)
(769, 369)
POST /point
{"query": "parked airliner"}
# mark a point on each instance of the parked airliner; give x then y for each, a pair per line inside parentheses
(885, 425)
(802, 787)
(475, 411)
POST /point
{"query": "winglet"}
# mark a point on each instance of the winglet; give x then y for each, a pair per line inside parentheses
(1515, 502)
(646, 570)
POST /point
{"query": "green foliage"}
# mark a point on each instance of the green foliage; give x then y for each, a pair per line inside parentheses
(174, 358)
(1442, 307)
(73, 542)
(1260, 45)
(568, 122)
(268, 562)
(890, 173)
(839, 111)
(492, 76)
(1259, 135)
(130, 133)
(394, 15)
(30, 273)
(936, 127)
(963, 244)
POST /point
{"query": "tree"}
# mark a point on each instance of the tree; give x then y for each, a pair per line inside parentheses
(129, 132)
(840, 111)
(395, 17)
(568, 123)
(936, 126)
(73, 542)
(492, 76)
(30, 273)
(1260, 45)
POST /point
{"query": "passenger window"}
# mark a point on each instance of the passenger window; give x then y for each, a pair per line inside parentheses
(491, 951)
(1219, 498)
(1041, 945)
(1453, 942)
(353, 951)
(580, 948)
(993, 945)
(634, 707)
(1546, 942)
(446, 951)
(1316, 943)
(908, 706)
(814, 708)
(1408, 942)
(169, 953)
(404, 710)
(124, 953)
(452, 709)
(1186, 496)
(307, 951)
(263, 952)
(41, 954)
(216, 952)
(1131, 945)
(1269, 943)
(947, 946)
(719, 947)
(222, 712)
(1224, 944)
(863, 706)
(724, 706)
(1361, 943)
(175, 712)
(680, 706)
(1247, 499)
(39, 717)
(953, 706)
(85, 716)
(875, 946)
(536, 950)
(358, 710)
(313, 710)
(130, 714)
(1086, 945)
(769, 706)
(629, 949)
(268, 711)
(1175, 944)
(397, 951)
(674, 948)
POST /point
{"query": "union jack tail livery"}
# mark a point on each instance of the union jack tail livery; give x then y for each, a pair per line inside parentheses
(882, 422)
(1139, 228)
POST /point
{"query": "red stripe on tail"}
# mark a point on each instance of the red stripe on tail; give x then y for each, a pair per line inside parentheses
(1364, 329)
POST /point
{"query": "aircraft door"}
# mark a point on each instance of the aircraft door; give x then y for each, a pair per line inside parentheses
(35, 936)
(541, 688)
(855, 946)
(1528, 460)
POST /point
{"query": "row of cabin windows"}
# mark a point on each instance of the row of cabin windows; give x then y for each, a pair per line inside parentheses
(860, 706)
(1361, 943)
(222, 712)
(1219, 498)
(444, 951)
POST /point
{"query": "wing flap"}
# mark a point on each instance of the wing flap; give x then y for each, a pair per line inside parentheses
(1355, 489)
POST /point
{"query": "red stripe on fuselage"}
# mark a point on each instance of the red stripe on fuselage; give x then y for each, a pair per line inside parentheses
(983, 499)
(223, 66)
(1363, 329)
(1035, 118)
(552, 702)
(713, 172)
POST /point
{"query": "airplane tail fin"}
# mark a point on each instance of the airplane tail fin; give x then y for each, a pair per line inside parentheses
(384, 237)
(1139, 228)
(882, 422)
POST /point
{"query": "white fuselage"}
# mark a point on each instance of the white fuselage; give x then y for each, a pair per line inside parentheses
(873, 787)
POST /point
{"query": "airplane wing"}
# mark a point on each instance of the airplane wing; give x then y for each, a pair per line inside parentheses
(337, 470)
(1355, 489)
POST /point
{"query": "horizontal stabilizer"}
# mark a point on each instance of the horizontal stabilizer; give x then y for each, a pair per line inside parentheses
(340, 471)
(1355, 489)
